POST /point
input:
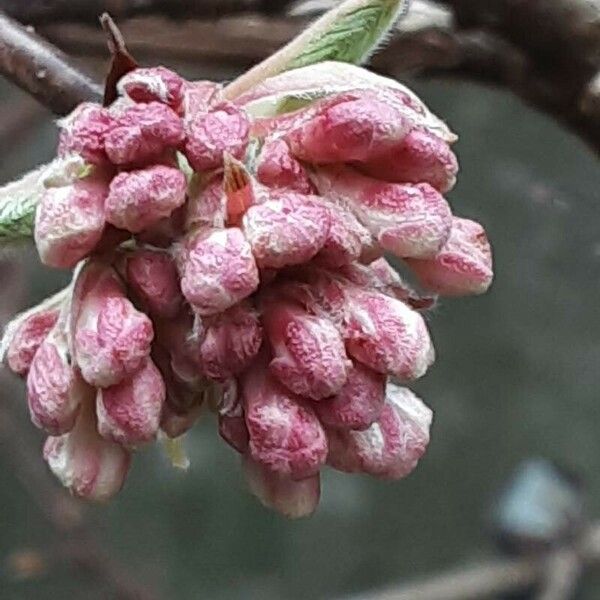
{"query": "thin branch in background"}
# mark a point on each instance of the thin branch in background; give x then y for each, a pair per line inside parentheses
(558, 572)
(40, 69)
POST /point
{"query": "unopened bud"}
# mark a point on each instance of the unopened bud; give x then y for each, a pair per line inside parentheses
(24, 335)
(84, 462)
(153, 278)
(462, 267)
(153, 84)
(292, 498)
(142, 133)
(138, 199)
(83, 133)
(358, 404)
(285, 433)
(69, 222)
(288, 229)
(350, 127)
(231, 341)
(309, 357)
(421, 157)
(224, 129)
(129, 412)
(407, 220)
(278, 168)
(55, 389)
(217, 270)
(387, 335)
(111, 338)
(392, 446)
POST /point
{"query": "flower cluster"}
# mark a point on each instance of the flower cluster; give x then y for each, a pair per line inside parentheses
(231, 253)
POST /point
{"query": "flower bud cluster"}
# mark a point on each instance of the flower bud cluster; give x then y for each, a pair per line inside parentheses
(227, 255)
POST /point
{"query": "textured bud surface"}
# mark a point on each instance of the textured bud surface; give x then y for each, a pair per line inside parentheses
(464, 264)
(224, 129)
(152, 276)
(217, 270)
(85, 463)
(55, 389)
(69, 222)
(152, 84)
(231, 341)
(386, 335)
(27, 338)
(285, 434)
(421, 157)
(357, 404)
(111, 337)
(139, 199)
(129, 412)
(308, 352)
(392, 446)
(279, 169)
(143, 132)
(407, 220)
(83, 133)
(287, 229)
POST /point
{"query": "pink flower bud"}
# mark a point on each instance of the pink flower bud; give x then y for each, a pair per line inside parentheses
(293, 499)
(392, 446)
(197, 99)
(129, 412)
(358, 404)
(381, 276)
(278, 168)
(83, 133)
(232, 424)
(288, 229)
(285, 434)
(153, 84)
(224, 129)
(217, 270)
(111, 338)
(24, 336)
(231, 341)
(152, 276)
(407, 220)
(85, 463)
(309, 354)
(142, 133)
(386, 335)
(69, 222)
(421, 157)
(138, 199)
(462, 267)
(55, 389)
(206, 204)
(346, 239)
(349, 128)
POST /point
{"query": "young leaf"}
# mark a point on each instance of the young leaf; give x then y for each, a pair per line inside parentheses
(348, 33)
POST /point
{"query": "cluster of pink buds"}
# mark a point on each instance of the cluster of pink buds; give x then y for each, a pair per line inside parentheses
(231, 253)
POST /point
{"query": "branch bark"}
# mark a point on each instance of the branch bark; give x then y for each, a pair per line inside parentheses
(40, 69)
(38, 12)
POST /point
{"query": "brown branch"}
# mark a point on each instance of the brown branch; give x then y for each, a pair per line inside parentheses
(40, 69)
(39, 12)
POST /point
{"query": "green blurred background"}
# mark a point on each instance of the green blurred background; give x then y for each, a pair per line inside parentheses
(516, 376)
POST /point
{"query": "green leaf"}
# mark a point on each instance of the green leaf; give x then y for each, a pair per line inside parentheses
(354, 35)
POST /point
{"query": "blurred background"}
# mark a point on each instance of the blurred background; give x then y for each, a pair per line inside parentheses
(516, 377)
